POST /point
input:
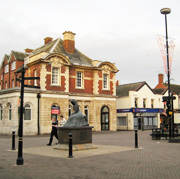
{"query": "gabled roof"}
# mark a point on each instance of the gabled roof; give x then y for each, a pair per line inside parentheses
(123, 90)
(19, 55)
(174, 88)
(56, 46)
(161, 91)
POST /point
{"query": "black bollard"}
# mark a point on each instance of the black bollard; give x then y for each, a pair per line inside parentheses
(136, 139)
(70, 146)
(13, 140)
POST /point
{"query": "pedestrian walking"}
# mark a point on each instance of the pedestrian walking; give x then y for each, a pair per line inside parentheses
(53, 131)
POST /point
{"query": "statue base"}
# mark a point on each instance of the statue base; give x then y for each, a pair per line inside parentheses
(76, 147)
(80, 135)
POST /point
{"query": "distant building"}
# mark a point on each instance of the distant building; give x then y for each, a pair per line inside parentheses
(138, 107)
(65, 73)
(162, 89)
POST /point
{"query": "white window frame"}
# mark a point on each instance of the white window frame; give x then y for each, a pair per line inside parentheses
(55, 81)
(13, 65)
(105, 81)
(1, 77)
(6, 68)
(35, 75)
(79, 79)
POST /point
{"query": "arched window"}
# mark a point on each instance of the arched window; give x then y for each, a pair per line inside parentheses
(70, 110)
(105, 118)
(1, 111)
(55, 111)
(86, 112)
(27, 112)
(9, 111)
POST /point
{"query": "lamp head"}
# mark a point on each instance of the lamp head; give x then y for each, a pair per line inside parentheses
(165, 11)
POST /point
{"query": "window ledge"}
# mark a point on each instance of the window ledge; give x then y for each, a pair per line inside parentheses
(79, 88)
(106, 90)
(55, 85)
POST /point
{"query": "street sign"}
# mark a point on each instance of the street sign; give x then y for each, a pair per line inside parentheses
(166, 98)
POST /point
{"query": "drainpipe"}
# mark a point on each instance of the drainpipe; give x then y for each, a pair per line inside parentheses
(38, 97)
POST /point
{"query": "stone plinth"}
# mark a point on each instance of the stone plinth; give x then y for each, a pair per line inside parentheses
(80, 135)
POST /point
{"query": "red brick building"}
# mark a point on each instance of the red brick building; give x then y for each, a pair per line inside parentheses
(65, 73)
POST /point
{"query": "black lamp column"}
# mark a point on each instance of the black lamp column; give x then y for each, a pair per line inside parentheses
(166, 11)
(20, 159)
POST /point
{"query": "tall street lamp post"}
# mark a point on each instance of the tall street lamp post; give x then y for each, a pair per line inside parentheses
(166, 11)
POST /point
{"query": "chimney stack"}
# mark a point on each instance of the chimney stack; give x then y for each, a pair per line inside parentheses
(28, 50)
(47, 40)
(161, 78)
(117, 82)
(69, 42)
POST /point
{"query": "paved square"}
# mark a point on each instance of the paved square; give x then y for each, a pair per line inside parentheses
(115, 157)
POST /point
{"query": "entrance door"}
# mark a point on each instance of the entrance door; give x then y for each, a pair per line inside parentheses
(139, 123)
(104, 118)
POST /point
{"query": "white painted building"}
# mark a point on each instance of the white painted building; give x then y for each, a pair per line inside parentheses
(138, 107)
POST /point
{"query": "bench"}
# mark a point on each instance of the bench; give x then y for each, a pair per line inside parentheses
(158, 133)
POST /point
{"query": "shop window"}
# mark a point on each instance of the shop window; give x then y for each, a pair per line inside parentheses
(27, 112)
(121, 121)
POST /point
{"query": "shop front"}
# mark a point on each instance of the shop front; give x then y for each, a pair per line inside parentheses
(139, 118)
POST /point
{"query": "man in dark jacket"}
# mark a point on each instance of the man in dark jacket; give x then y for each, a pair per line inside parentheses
(54, 130)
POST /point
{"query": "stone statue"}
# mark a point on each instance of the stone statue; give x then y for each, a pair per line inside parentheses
(77, 118)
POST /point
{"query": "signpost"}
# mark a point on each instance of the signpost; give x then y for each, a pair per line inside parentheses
(20, 160)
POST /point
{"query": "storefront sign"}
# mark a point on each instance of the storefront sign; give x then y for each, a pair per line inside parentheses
(55, 110)
(140, 110)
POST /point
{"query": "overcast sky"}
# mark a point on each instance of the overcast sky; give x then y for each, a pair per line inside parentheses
(123, 32)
